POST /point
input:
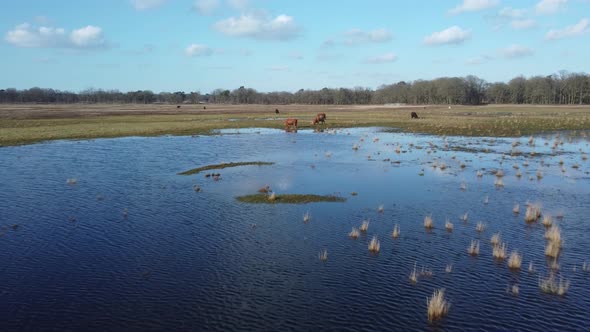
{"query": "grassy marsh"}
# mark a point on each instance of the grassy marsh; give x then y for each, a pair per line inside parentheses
(29, 123)
(224, 165)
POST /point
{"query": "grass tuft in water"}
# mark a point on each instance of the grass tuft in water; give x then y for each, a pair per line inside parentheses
(499, 251)
(323, 255)
(495, 240)
(395, 233)
(550, 285)
(374, 245)
(288, 198)
(224, 165)
(428, 223)
(533, 213)
(448, 225)
(547, 220)
(306, 217)
(515, 260)
(438, 306)
(473, 248)
(364, 226)
(354, 233)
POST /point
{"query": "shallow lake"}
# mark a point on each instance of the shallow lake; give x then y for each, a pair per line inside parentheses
(104, 235)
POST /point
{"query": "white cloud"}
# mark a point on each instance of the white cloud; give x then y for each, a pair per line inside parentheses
(452, 35)
(523, 24)
(549, 6)
(515, 51)
(146, 4)
(205, 7)
(282, 27)
(474, 5)
(26, 35)
(87, 36)
(509, 12)
(357, 36)
(577, 29)
(478, 60)
(198, 50)
(385, 58)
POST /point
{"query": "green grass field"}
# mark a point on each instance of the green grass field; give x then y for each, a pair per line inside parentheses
(24, 124)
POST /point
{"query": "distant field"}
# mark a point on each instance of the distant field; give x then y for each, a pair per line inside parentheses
(22, 124)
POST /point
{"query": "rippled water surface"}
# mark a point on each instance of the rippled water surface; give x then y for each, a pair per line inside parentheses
(132, 246)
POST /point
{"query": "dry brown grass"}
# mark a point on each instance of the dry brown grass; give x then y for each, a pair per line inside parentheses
(374, 245)
(480, 227)
(499, 251)
(551, 285)
(515, 260)
(438, 306)
(414, 275)
(495, 240)
(533, 213)
(428, 223)
(473, 248)
(448, 225)
(323, 255)
(395, 233)
(547, 220)
(354, 233)
(516, 209)
(364, 226)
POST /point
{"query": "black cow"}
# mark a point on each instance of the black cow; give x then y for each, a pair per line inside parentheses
(415, 115)
(178, 106)
(276, 111)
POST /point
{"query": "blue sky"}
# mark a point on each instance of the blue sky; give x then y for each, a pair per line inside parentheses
(274, 45)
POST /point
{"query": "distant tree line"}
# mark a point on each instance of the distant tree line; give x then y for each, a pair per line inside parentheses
(562, 88)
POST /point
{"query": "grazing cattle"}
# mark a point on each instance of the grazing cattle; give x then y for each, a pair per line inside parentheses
(290, 124)
(276, 111)
(204, 107)
(415, 115)
(320, 117)
(178, 106)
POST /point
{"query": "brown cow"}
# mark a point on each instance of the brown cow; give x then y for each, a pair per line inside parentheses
(291, 124)
(414, 115)
(320, 117)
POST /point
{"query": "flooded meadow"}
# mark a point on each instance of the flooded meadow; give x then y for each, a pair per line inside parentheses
(420, 232)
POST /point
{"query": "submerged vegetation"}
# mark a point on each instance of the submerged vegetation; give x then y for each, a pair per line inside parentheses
(224, 165)
(289, 198)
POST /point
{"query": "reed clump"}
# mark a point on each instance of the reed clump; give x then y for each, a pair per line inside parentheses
(428, 223)
(395, 233)
(551, 285)
(473, 248)
(438, 306)
(374, 245)
(354, 233)
(499, 251)
(515, 260)
(364, 226)
(533, 213)
(495, 240)
(547, 220)
(323, 255)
